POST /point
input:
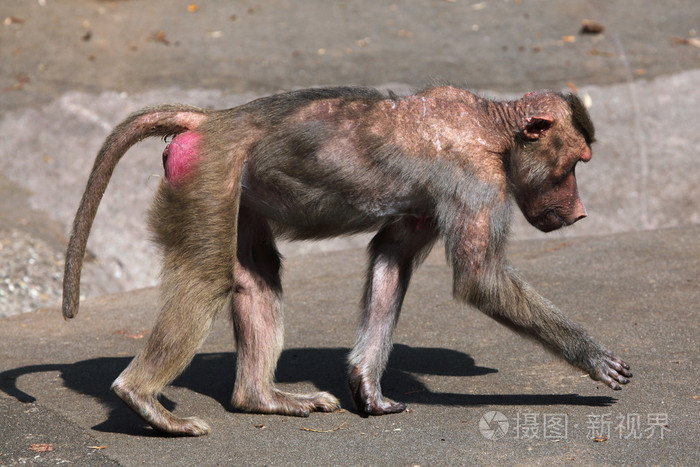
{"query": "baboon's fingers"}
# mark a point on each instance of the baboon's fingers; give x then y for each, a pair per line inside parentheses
(612, 371)
(620, 366)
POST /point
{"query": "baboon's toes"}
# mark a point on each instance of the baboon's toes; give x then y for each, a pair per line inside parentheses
(382, 407)
(302, 404)
(285, 403)
(148, 408)
(368, 396)
(325, 402)
(190, 426)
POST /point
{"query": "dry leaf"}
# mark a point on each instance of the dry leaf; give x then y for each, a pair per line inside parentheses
(569, 39)
(98, 448)
(601, 53)
(192, 7)
(41, 447)
(677, 40)
(600, 439)
(591, 27)
(694, 41)
(13, 20)
(20, 80)
(160, 37)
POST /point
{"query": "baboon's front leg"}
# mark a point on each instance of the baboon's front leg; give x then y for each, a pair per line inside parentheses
(512, 302)
(394, 252)
(258, 327)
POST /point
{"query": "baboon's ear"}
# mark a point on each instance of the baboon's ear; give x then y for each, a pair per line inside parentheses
(535, 126)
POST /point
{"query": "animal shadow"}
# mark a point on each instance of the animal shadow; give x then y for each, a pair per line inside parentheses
(212, 375)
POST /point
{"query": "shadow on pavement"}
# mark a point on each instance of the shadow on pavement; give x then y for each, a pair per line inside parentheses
(325, 368)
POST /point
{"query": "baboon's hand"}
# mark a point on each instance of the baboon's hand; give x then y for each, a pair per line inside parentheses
(611, 370)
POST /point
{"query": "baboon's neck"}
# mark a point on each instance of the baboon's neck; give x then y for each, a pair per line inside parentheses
(505, 120)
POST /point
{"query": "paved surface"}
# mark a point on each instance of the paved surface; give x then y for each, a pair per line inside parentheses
(638, 293)
(248, 45)
(72, 69)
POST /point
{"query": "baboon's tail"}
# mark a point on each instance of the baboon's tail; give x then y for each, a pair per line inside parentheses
(155, 121)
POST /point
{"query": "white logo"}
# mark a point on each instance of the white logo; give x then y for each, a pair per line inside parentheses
(493, 425)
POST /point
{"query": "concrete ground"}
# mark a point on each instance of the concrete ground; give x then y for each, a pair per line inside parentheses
(73, 69)
(637, 293)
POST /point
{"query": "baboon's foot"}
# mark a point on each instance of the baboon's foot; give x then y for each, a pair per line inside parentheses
(148, 408)
(368, 397)
(285, 403)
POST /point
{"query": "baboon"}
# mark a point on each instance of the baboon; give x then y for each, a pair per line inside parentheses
(310, 164)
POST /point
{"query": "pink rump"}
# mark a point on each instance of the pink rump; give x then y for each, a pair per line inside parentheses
(180, 157)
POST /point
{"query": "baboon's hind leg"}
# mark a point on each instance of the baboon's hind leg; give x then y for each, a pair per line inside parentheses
(197, 283)
(257, 321)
